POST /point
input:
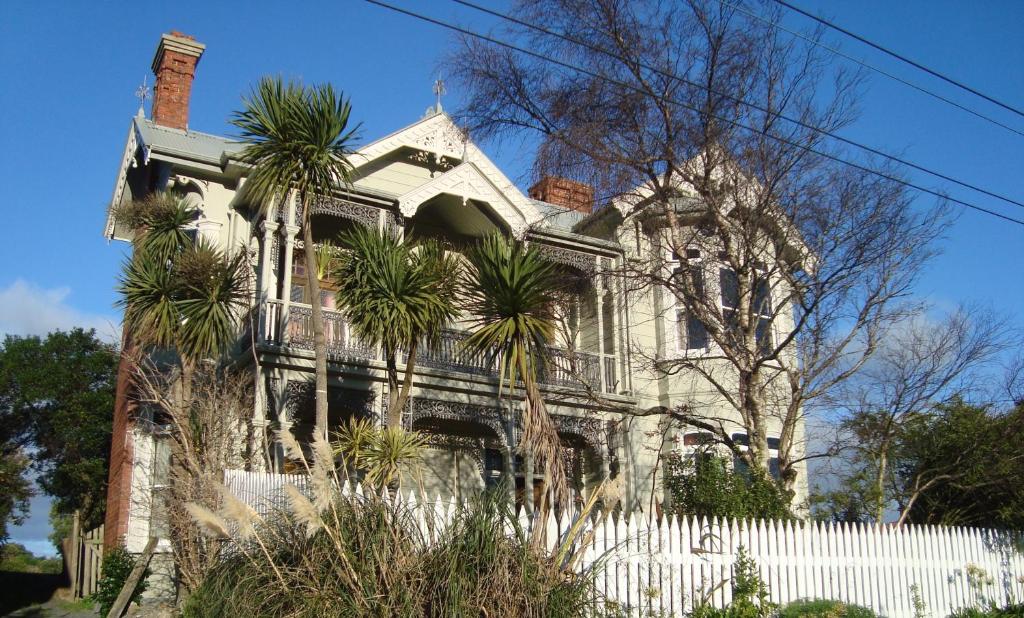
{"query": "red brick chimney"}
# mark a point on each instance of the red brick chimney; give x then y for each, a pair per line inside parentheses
(565, 193)
(174, 66)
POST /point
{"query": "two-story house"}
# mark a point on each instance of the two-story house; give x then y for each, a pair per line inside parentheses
(430, 179)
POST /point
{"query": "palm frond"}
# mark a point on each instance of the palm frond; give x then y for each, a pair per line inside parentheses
(392, 450)
(509, 290)
(297, 137)
(148, 293)
(160, 222)
(212, 293)
(394, 295)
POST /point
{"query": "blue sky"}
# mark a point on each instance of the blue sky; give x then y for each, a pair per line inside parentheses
(70, 71)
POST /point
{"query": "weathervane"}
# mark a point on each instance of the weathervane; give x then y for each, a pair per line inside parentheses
(142, 93)
(439, 92)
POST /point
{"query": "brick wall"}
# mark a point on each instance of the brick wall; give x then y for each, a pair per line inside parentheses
(119, 479)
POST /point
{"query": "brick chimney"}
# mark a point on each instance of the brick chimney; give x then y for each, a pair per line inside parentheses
(174, 66)
(565, 193)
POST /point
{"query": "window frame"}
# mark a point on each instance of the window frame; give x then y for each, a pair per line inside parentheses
(742, 441)
(764, 316)
(681, 315)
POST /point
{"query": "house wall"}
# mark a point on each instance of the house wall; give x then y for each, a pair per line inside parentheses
(651, 321)
(638, 324)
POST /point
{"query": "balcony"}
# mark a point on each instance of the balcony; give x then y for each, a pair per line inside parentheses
(573, 370)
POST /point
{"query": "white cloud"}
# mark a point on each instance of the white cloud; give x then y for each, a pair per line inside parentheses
(27, 309)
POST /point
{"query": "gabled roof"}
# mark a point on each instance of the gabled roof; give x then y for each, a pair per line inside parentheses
(469, 182)
(438, 134)
(146, 139)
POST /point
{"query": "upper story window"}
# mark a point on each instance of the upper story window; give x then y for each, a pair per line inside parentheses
(695, 269)
(691, 333)
(730, 302)
(300, 292)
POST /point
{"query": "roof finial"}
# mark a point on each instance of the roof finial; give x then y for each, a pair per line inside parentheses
(439, 92)
(142, 93)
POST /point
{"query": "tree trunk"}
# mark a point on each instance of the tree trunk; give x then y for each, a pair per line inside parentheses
(751, 389)
(883, 464)
(319, 341)
(395, 413)
(391, 364)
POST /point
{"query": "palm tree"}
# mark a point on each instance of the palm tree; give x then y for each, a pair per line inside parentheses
(298, 139)
(398, 295)
(510, 290)
(178, 292)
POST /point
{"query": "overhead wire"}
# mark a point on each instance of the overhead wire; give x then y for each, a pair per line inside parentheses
(838, 52)
(760, 108)
(885, 50)
(571, 67)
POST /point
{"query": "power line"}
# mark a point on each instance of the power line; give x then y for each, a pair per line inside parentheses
(912, 63)
(755, 106)
(842, 54)
(571, 67)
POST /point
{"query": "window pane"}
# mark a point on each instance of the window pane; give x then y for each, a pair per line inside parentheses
(694, 271)
(763, 297)
(729, 316)
(298, 294)
(696, 334)
(698, 280)
(730, 288)
(773, 443)
(327, 299)
(773, 468)
(741, 439)
(740, 466)
(698, 438)
(764, 335)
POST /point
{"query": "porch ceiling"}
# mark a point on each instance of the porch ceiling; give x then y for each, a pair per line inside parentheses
(448, 214)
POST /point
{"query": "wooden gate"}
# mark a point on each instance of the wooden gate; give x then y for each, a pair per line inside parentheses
(84, 560)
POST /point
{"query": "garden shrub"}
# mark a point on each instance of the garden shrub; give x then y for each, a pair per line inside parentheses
(117, 565)
(706, 485)
(824, 608)
(1015, 610)
(749, 594)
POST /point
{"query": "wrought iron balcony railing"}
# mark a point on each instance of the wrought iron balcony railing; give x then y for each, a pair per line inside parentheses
(563, 368)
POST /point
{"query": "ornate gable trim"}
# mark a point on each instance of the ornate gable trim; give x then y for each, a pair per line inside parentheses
(440, 136)
(468, 182)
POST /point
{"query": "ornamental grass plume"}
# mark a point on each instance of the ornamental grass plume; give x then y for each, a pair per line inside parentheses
(292, 450)
(239, 512)
(209, 522)
(303, 510)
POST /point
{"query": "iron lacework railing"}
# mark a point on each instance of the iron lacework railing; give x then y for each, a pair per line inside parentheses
(564, 368)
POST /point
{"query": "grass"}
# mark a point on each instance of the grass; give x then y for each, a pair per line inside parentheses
(372, 558)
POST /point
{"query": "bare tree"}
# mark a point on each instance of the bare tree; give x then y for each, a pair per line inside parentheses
(706, 128)
(921, 364)
(1014, 379)
(206, 434)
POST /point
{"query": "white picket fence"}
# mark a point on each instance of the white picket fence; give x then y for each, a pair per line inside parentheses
(662, 567)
